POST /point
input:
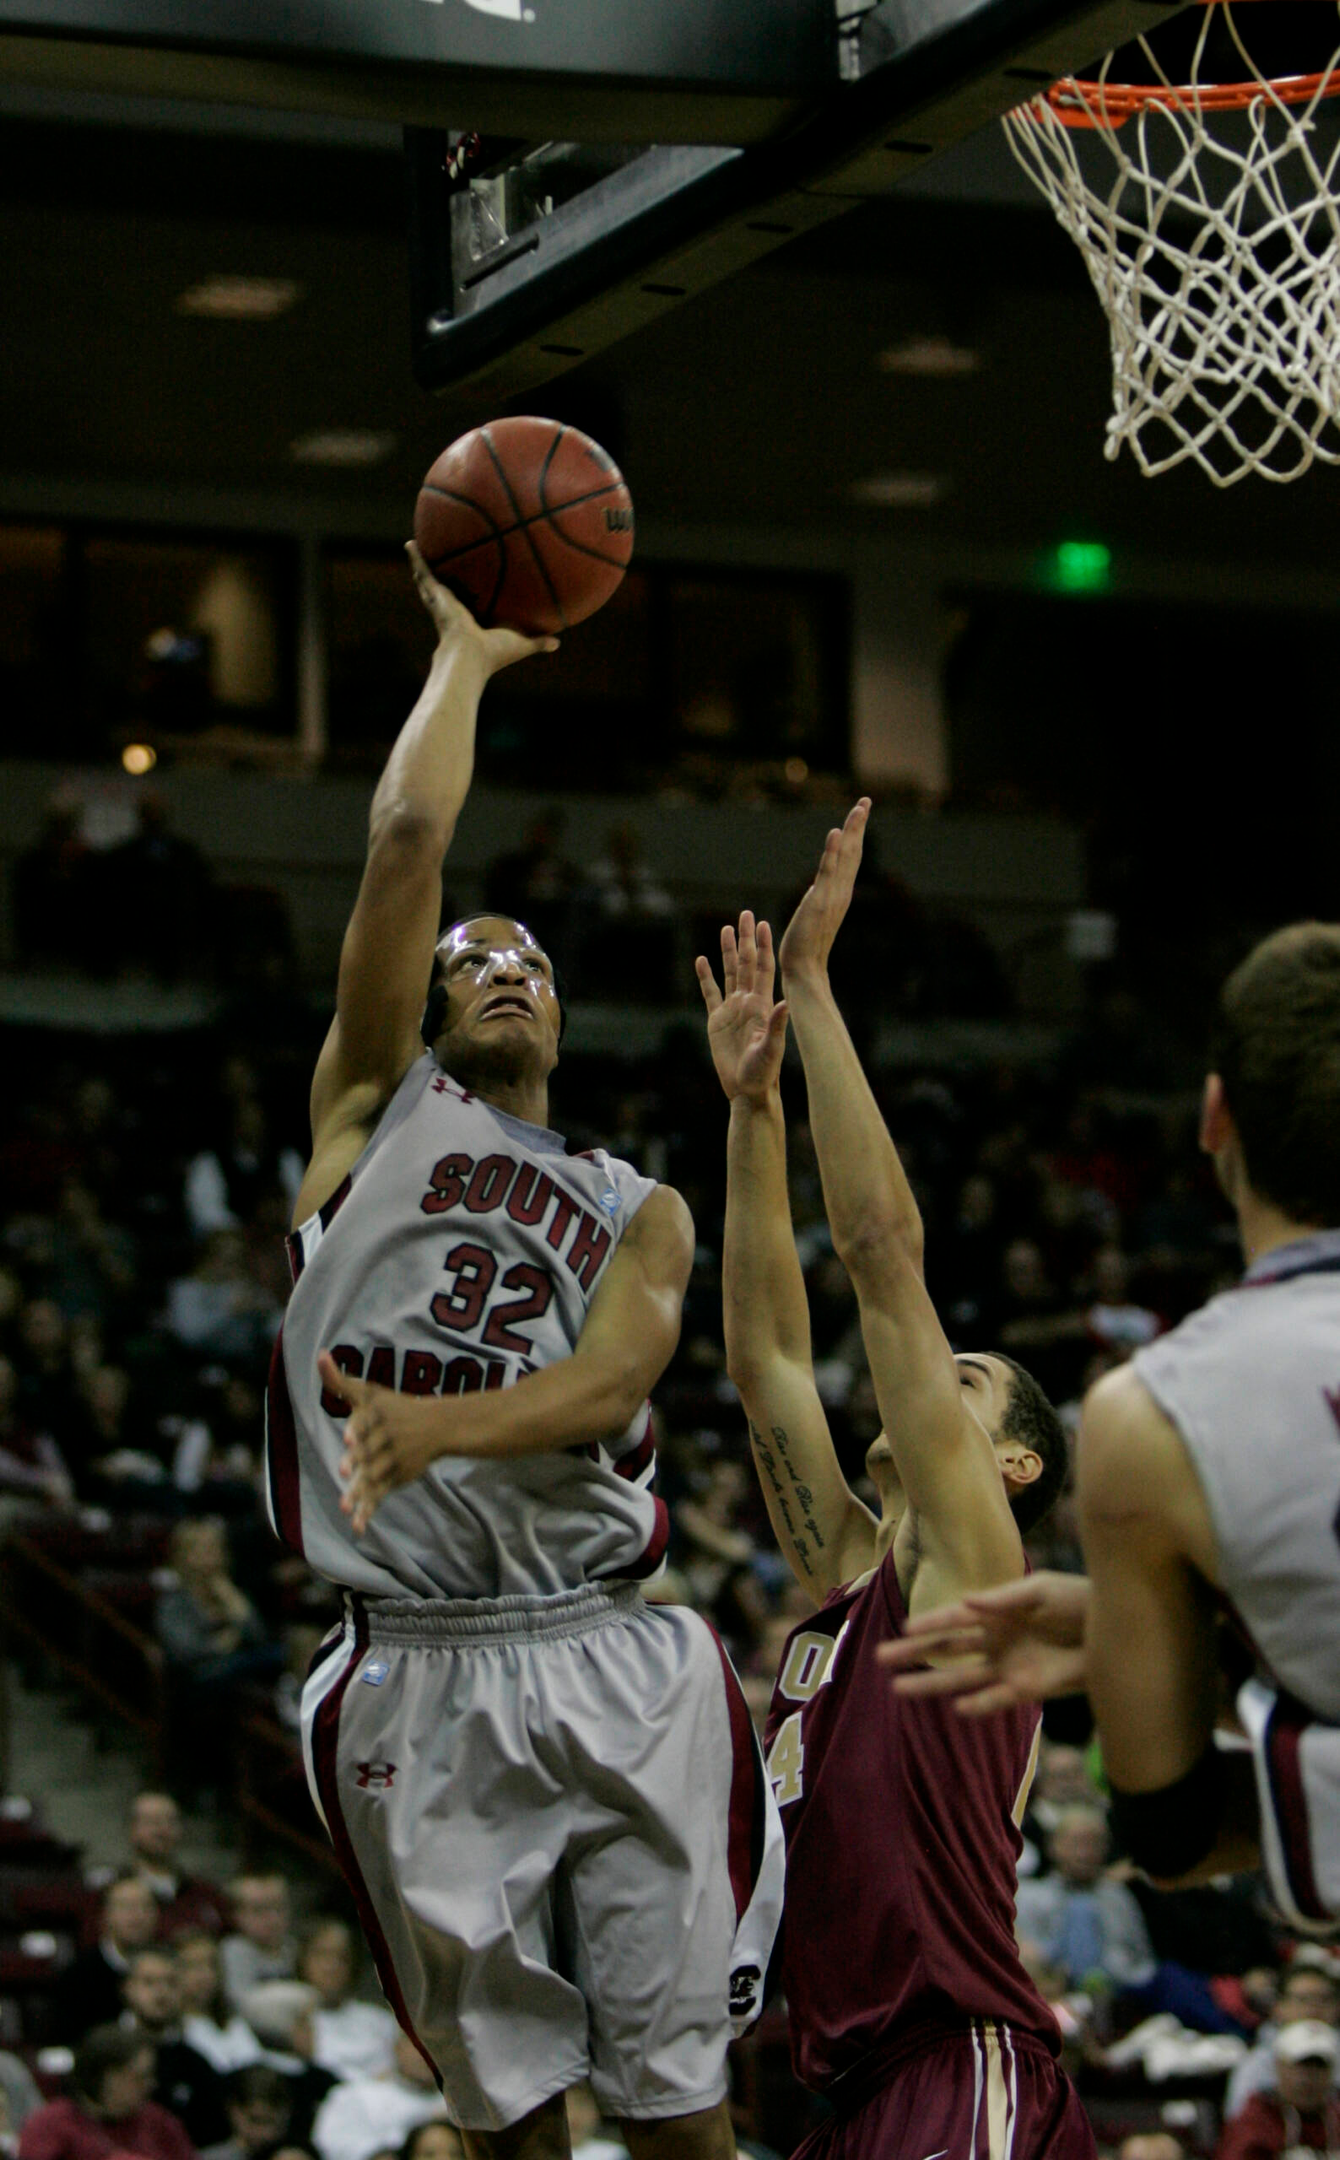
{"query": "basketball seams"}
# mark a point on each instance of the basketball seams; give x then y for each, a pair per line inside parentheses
(486, 438)
(552, 516)
(494, 537)
(581, 547)
(501, 532)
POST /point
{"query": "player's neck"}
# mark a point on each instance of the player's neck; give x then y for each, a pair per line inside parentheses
(524, 1099)
(1263, 1227)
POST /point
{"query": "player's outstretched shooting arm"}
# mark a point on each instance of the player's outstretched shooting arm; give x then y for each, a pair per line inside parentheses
(388, 946)
(823, 1529)
(957, 1533)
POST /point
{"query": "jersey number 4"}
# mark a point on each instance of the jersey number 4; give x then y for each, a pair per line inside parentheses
(786, 1760)
(462, 1307)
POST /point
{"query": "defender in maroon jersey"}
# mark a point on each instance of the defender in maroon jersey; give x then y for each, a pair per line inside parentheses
(910, 2010)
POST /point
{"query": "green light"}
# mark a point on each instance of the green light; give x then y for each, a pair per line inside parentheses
(1082, 566)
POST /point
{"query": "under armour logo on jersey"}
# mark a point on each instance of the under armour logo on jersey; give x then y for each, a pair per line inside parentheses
(610, 1200)
(744, 1986)
(379, 1774)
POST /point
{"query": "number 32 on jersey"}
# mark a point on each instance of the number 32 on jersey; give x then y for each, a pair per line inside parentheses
(809, 1663)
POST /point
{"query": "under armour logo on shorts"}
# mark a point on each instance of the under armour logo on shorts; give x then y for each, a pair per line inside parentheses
(373, 1675)
(380, 1774)
(744, 1983)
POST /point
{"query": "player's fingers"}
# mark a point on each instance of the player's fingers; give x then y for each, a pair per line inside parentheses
(765, 962)
(340, 1383)
(728, 958)
(942, 1620)
(748, 953)
(777, 1020)
(941, 1680)
(707, 982)
(985, 1702)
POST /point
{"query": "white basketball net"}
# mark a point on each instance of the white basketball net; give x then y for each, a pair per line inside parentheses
(1213, 242)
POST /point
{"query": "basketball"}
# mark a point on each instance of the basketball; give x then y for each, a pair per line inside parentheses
(529, 522)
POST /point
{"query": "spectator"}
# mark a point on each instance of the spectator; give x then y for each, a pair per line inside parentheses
(432, 2140)
(89, 1991)
(220, 1310)
(1308, 1993)
(356, 2119)
(1298, 2112)
(1079, 1920)
(213, 2029)
(537, 884)
(351, 2039)
(260, 2109)
(631, 920)
(280, 2012)
(262, 1948)
(156, 896)
(209, 1629)
(32, 1468)
(225, 1184)
(52, 890)
(185, 1902)
(19, 2095)
(42, 1360)
(109, 2110)
(1151, 2145)
(184, 2082)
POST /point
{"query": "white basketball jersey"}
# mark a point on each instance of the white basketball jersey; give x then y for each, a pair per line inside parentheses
(462, 1252)
(1252, 1383)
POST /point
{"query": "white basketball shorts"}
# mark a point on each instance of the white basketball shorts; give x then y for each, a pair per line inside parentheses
(553, 1815)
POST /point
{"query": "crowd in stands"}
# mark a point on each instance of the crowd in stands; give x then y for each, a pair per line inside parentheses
(145, 1186)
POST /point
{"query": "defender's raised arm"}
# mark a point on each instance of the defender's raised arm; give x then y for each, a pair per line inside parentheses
(388, 946)
(825, 1532)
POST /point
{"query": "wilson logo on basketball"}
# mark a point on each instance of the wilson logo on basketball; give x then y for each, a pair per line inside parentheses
(378, 1774)
(618, 520)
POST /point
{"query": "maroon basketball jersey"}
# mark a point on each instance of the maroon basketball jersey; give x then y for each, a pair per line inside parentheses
(902, 1843)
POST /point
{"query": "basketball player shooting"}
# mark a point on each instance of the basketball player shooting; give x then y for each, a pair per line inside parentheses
(910, 2010)
(1207, 1479)
(545, 1794)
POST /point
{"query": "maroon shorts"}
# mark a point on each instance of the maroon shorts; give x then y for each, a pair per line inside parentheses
(982, 2093)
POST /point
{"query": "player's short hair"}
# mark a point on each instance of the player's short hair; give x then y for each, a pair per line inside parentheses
(1030, 1419)
(1276, 1047)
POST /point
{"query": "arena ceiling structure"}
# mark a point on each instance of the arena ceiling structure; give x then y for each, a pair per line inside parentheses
(802, 250)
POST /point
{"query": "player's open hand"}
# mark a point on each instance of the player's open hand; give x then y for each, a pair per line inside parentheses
(1021, 1643)
(497, 648)
(816, 922)
(389, 1440)
(746, 1030)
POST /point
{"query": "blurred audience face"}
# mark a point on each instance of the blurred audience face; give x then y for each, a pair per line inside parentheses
(155, 1828)
(125, 2089)
(328, 1964)
(258, 2123)
(1308, 1993)
(1305, 2085)
(1152, 2145)
(1063, 1776)
(260, 1905)
(151, 1990)
(1024, 1273)
(198, 1974)
(199, 1553)
(129, 1916)
(42, 1327)
(1078, 1846)
(431, 2141)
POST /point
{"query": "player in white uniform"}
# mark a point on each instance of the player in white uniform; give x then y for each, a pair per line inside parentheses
(546, 1795)
(1209, 1487)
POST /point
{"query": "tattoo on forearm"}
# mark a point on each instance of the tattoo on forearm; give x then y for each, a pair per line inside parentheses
(787, 1487)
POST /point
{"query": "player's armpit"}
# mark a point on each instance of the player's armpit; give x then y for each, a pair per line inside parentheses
(1150, 1636)
(824, 1531)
